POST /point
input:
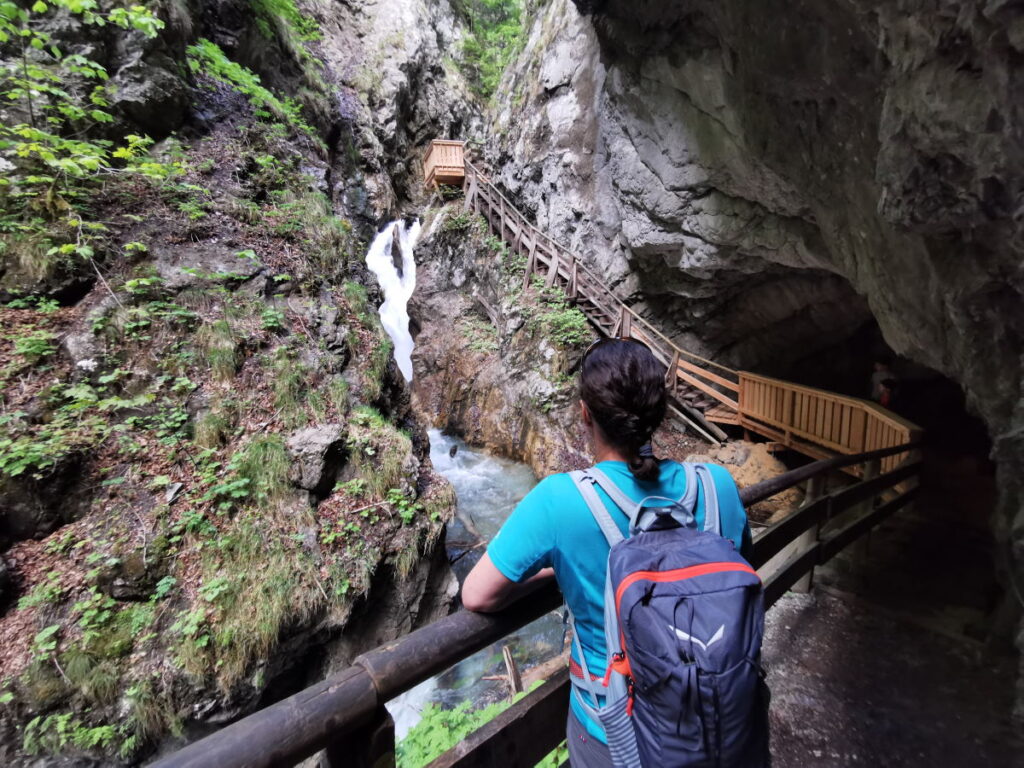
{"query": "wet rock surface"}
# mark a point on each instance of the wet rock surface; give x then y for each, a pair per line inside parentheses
(853, 687)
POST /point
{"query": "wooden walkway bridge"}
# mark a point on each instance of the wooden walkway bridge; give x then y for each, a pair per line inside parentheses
(344, 718)
(815, 422)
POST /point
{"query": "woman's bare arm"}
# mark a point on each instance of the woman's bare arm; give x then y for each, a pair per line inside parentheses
(487, 589)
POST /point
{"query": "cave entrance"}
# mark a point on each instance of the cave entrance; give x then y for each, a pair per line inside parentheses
(933, 563)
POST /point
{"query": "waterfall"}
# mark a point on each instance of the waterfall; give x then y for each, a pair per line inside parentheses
(396, 273)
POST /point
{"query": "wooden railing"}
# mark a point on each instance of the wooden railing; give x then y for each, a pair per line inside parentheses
(444, 163)
(820, 423)
(812, 421)
(345, 714)
(697, 378)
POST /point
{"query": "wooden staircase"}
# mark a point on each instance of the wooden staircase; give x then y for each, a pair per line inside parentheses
(704, 394)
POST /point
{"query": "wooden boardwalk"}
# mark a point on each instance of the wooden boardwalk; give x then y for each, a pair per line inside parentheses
(703, 393)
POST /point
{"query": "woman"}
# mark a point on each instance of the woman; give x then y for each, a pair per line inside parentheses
(552, 533)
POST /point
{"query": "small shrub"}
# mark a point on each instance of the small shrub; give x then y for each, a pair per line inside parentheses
(458, 222)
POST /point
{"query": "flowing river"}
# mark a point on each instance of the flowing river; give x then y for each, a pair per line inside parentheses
(487, 489)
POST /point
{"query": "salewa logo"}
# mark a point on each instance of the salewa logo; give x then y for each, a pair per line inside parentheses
(714, 638)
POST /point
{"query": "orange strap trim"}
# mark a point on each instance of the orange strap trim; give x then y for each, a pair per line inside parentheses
(677, 574)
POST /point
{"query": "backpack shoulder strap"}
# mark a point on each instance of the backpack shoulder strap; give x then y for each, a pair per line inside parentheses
(585, 485)
(622, 501)
(712, 518)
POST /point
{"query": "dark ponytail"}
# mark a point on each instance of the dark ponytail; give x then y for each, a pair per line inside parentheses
(623, 386)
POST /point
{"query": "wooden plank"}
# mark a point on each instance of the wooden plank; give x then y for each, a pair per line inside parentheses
(289, 731)
(724, 399)
(520, 736)
(686, 364)
(782, 533)
(552, 272)
(773, 485)
(515, 681)
(531, 264)
(470, 194)
(780, 581)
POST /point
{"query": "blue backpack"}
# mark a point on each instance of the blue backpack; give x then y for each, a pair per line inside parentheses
(684, 617)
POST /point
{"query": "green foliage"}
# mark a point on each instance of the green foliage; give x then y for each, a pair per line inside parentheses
(264, 464)
(269, 12)
(50, 160)
(441, 729)
(41, 304)
(56, 732)
(219, 347)
(568, 326)
(290, 378)
(561, 322)
(44, 593)
(272, 319)
(458, 222)
(403, 505)
(45, 642)
(207, 58)
(35, 345)
(482, 336)
(497, 35)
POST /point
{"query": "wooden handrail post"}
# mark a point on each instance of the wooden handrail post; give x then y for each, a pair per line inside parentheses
(531, 260)
(552, 269)
(470, 194)
(861, 548)
(626, 324)
(815, 490)
(372, 746)
(672, 375)
(573, 287)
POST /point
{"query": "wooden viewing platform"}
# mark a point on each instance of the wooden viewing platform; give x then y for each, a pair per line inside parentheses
(444, 163)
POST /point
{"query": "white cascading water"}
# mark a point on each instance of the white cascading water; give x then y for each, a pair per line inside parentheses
(397, 287)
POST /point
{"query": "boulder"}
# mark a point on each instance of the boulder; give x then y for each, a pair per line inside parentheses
(132, 577)
(317, 453)
(31, 507)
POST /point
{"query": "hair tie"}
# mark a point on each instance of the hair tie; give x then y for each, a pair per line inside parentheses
(646, 451)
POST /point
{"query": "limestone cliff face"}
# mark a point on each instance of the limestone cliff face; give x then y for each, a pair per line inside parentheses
(763, 177)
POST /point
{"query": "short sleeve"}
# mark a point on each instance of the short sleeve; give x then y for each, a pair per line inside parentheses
(526, 541)
(730, 508)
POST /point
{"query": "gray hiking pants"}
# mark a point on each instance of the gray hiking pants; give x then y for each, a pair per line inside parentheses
(584, 750)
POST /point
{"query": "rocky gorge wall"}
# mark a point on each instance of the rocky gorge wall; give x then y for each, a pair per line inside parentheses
(213, 487)
(483, 365)
(763, 177)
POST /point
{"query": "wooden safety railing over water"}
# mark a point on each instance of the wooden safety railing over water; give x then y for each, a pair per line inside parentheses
(345, 715)
(813, 421)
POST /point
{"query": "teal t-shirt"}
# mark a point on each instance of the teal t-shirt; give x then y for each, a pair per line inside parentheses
(552, 527)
